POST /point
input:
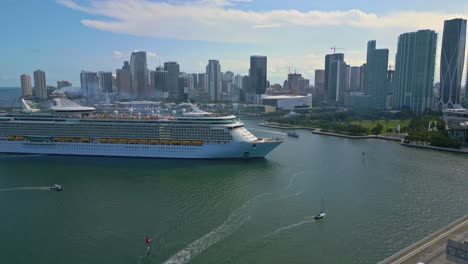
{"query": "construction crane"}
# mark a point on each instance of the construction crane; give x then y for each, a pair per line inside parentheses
(334, 48)
(289, 69)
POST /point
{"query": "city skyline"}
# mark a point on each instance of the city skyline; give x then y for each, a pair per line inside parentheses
(97, 46)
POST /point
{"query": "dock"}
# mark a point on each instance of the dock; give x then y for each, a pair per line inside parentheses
(432, 249)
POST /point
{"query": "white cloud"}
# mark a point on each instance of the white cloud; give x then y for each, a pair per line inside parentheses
(151, 54)
(117, 54)
(219, 20)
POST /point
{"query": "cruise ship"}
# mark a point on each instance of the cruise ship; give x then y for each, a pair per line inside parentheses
(68, 128)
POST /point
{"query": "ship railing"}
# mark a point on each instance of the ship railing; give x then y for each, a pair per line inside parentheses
(270, 139)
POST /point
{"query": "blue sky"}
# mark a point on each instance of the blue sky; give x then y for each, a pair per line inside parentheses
(64, 37)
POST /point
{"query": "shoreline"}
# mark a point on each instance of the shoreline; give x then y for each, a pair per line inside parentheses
(318, 131)
(460, 151)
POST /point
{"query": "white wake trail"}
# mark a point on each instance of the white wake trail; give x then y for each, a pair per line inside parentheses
(232, 223)
(284, 228)
(45, 188)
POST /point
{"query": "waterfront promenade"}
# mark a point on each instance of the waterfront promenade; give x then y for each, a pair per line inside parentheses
(431, 249)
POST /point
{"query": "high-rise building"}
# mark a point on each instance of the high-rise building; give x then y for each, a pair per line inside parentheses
(105, 82)
(124, 81)
(319, 85)
(63, 83)
(258, 75)
(452, 60)
(195, 80)
(173, 71)
(294, 82)
(377, 66)
(238, 81)
(329, 58)
(355, 79)
(363, 71)
(183, 85)
(337, 81)
(26, 86)
(89, 84)
(126, 65)
(414, 71)
(151, 83)
(245, 84)
(124, 84)
(202, 83)
(213, 73)
(40, 85)
(228, 76)
(139, 72)
(347, 76)
(160, 83)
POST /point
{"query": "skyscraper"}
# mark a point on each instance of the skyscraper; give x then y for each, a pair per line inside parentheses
(377, 66)
(26, 87)
(89, 84)
(160, 83)
(105, 82)
(319, 84)
(451, 62)
(238, 81)
(40, 84)
(414, 70)
(363, 70)
(337, 81)
(213, 73)
(328, 59)
(355, 79)
(257, 77)
(173, 71)
(124, 84)
(202, 83)
(124, 81)
(151, 83)
(139, 72)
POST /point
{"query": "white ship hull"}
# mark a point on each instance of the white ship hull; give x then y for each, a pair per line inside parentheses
(241, 150)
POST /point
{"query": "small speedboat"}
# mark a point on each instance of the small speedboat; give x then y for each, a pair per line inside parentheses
(56, 187)
(293, 134)
(321, 215)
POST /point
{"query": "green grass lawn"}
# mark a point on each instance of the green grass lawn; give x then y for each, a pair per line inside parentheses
(369, 124)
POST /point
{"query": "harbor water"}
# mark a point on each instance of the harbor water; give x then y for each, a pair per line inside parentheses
(231, 211)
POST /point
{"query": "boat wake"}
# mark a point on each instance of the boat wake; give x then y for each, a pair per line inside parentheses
(26, 189)
(232, 223)
(284, 228)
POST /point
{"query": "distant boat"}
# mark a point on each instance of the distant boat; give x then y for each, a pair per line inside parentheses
(56, 187)
(293, 134)
(322, 214)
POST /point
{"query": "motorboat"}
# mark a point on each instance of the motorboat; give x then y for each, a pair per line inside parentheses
(293, 134)
(56, 187)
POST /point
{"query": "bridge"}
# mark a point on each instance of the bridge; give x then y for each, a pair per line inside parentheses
(433, 248)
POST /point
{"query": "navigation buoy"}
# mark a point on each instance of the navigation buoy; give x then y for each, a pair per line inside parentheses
(148, 243)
